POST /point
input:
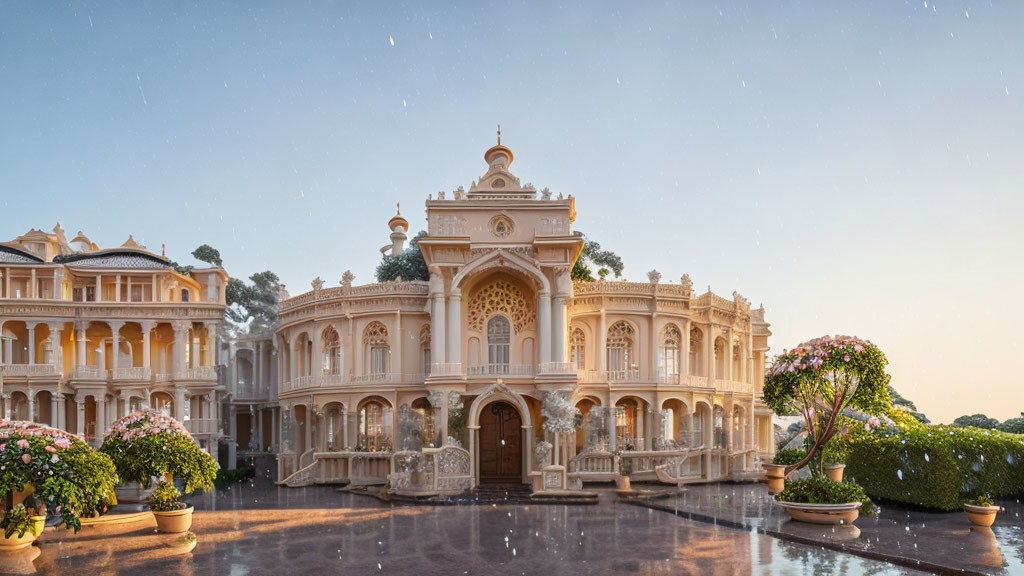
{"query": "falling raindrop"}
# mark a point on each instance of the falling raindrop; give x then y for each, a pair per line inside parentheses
(899, 473)
(926, 458)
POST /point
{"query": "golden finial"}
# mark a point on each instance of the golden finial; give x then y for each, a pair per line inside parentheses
(398, 208)
(499, 134)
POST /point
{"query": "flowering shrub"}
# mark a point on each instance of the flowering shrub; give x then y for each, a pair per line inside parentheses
(166, 498)
(71, 478)
(821, 490)
(147, 443)
(820, 379)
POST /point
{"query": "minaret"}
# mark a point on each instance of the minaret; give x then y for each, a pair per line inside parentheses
(399, 226)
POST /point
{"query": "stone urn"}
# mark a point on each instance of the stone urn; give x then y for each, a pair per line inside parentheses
(16, 542)
(981, 515)
(835, 471)
(622, 483)
(823, 513)
(775, 477)
(173, 521)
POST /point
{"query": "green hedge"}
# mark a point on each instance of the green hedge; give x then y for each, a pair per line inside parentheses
(936, 466)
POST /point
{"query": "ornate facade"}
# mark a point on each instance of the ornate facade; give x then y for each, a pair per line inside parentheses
(384, 382)
(87, 335)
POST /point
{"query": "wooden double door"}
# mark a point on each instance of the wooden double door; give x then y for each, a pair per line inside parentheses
(501, 446)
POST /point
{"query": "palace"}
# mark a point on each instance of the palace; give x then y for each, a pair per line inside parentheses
(436, 386)
(498, 368)
(88, 335)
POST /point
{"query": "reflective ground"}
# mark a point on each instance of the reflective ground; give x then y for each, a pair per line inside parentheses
(266, 530)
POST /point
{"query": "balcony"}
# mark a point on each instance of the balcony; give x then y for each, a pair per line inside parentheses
(506, 370)
(201, 425)
(610, 376)
(453, 370)
(197, 373)
(734, 386)
(88, 373)
(559, 368)
(251, 393)
(28, 370)
(132, 373)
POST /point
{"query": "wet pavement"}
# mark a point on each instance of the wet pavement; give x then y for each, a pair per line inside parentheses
(938, 542)
(257, 529)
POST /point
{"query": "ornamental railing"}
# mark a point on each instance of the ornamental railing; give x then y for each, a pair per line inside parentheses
(131, 373)
(197, 373)
(511, 370)
(88, 373)
(556, 368)
(26, 370)
(734, 386)
(443, 370)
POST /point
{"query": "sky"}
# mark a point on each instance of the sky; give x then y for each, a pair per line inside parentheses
(856, 167)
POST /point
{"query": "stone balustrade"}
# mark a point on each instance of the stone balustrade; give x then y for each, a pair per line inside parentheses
(28, 370)
(135, 373)
(556, 368)
(505, 370)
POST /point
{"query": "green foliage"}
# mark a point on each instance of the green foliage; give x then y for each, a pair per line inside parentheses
(982, 500)
(208, 254)
(822, 490)
(227, 477)
(789, 456)
(1013, 425)
(166, 498)
(409, 265)
(456, 420)
(18, 520)
(256, 302)
(140, 459)
(821, 379)
(76, 480)
(936, 466)
(605, 261)
(976, 421)
(907, 406)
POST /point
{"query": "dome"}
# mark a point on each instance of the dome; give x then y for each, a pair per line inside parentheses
(397, 220)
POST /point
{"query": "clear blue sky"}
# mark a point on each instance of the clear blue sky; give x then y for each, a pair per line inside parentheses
(857, 167)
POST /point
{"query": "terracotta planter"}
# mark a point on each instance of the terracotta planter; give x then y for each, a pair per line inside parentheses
(775, 477)
(835, 472)
(175, 521)
(16, 543)
(622, 482)
(823, 513)
(981, 515)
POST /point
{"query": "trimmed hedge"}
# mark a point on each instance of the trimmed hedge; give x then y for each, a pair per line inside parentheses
(936, 466)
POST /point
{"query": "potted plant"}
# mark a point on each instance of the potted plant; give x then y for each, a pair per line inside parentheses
(981, 511)
(819, 500)
(48, 469)
(775, 473)
(147, 443)
(20, 527)
(834, 459)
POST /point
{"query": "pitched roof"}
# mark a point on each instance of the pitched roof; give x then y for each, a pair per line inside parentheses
(10, 254)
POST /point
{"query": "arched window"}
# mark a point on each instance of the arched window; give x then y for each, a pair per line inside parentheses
(578, 349)
(425, 348)
(498, 337)
(374, 430)
(331, 349)
(620, 347)
(378, 351)
(668, 354)
(696, 345)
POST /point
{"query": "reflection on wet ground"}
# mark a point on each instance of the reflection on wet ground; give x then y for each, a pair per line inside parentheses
(943, 540)
(254, 530)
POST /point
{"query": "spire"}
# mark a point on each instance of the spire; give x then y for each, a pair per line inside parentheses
(499, 134)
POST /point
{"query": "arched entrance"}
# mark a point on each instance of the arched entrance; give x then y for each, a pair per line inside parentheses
(501, 444)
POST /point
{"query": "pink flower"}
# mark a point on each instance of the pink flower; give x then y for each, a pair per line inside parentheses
(26, 458)
(22, 443)
(846, 358)
(50, 449)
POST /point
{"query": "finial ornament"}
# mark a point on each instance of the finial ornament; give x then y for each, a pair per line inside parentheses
(398, 208)
(499, 134)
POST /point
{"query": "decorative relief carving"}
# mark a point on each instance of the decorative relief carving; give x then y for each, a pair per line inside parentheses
(375, 334)
(501, 226)
(505, 297)
(447, 225)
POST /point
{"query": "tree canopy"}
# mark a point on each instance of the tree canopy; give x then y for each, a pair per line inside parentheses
(253, 306)
(908, 406)
(208, 254)
(605, 261)
(409, 265)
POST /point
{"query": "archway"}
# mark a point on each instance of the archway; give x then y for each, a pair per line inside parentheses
(501, 444)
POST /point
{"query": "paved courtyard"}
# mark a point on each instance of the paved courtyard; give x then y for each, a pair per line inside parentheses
(256, 529)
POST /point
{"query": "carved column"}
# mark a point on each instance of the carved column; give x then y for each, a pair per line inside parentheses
(56, 331)
(31, 405)
(559, 329)
(257, 384)
(80, 419)
(115, 344)
(31, 342)
(80, 327)
(147, 329)
(62, 417)
(179, 403)
(438, 352)
(101, 415)
(710, 355)
(602, 342)
(455, 327)
(54, 419)
(180, 341)
(728, 354)
(211, 343)
(544, 328)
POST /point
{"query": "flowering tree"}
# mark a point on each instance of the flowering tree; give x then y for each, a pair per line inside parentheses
(66, 474)
(147, 443)
(822, 378)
